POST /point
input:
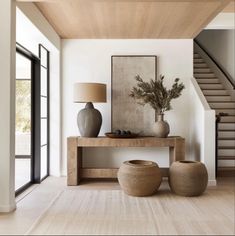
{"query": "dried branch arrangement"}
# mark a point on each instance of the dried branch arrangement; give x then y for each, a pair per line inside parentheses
(156, 94)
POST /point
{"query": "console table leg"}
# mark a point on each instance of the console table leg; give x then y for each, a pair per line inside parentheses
(74, 162)
(177, 152)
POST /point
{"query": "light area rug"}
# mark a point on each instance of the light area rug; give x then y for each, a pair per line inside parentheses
(111, 212)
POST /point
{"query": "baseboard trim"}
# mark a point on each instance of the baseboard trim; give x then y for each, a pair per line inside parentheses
(212, 182)
(7, 208)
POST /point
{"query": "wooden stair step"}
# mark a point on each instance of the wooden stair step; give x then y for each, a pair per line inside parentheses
(226, 157)
(226, 172)
(227, 134)
(230, 102)
(227, 119)
(227, 125)
(229, 111)
(210, 92)
(226, 130)
(208, 81)
(218, 98)
(200, 65)
(205, 75)
(196, 60)
(196, 55)
(226, 142)
(226, 147)
(211, 86)
(226, 138)
(201, 70)
(224, 105)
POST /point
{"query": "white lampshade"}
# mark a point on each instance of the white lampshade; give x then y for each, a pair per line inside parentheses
(89, 92)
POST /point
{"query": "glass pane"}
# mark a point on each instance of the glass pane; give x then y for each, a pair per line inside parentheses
(43, 81)
(43, 107)
(23, 121)
(43, 131)
(23, 117)
(43, 161)
(43, 57)
(22, 172)
(23, 67)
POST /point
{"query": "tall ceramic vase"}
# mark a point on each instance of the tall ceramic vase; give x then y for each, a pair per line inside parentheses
(161, 128)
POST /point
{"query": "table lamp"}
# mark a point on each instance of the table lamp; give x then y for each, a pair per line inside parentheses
(89, 119)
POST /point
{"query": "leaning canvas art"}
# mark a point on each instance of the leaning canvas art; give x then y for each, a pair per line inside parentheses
(126, 114)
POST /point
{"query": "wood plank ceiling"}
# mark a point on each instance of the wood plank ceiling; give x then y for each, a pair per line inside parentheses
(230, 8)
(130, 19)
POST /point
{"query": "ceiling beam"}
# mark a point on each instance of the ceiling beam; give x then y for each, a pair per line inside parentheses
(212, 16)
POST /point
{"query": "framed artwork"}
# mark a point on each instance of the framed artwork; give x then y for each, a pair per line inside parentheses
(127, 114)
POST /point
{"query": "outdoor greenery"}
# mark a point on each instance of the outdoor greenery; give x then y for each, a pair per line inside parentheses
(156, 94)
(23, 106)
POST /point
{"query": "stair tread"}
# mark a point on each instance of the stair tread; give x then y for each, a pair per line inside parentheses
(222, 116)
(212, 95)
(227, 138)
(200, 72)
(204, 78)
(216, 101)
(203, 72)
(226, 147)
(222, 102)
(226, 157)
(227, 168)
(228, 122)
(224, 108)
(226, 130)
(207, 82)
(199, 63)
(213, 89)
(207, 78)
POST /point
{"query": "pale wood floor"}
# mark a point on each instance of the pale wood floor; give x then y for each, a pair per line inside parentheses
(213, 213)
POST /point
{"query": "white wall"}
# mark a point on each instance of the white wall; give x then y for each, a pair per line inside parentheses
(90, 60)
(7, 105)
(202, 130)
(221, 46)
(222, 21)
(40, 22)
(32, 29)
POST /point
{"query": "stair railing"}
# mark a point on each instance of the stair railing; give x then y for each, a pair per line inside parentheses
(227, 76)
(218, 118)
(229, 81)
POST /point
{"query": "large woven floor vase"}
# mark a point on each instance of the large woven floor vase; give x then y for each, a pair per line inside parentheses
(188, 178)
(139, 178)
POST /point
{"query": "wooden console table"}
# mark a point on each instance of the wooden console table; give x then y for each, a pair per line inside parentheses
(75, 145)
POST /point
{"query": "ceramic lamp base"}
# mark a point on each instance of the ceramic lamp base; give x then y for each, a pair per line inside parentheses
(89, 121)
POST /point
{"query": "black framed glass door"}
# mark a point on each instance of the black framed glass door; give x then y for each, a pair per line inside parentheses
(32, 117)
(23, 121)
(44, 116)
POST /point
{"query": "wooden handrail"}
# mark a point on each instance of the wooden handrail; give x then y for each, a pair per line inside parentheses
(227, 76)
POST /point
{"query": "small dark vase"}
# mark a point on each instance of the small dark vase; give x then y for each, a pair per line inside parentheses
(161, 128)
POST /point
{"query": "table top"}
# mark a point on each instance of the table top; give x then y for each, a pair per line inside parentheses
(144, 141)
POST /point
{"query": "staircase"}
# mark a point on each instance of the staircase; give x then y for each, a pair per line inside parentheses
(220, 101)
